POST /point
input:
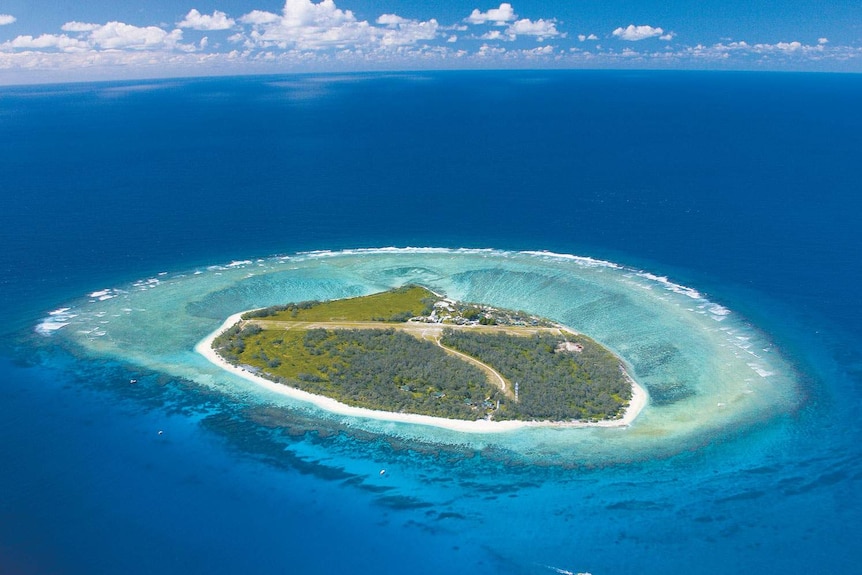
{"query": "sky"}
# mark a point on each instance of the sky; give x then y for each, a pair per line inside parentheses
(46, 40)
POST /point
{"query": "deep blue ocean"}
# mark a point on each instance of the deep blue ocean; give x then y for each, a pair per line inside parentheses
(745, 186)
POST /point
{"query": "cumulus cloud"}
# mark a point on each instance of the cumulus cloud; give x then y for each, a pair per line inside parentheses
(494, 35)
(307, 13)
(541, 28)
(109, 36)
(584, 37)
(498, 16)
(794, 51)
(304, 25)
(47, 41)
(259, 17)
(540, 51)
(488, 51)
(78, 27)
(7, 19)
(308, 26)
(216, 21)
(790, 48)
(634, 33)
(118, 35)
(402, 31)
(391, 20)
(822, 40)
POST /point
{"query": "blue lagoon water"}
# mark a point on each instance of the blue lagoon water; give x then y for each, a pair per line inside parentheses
(717, 219)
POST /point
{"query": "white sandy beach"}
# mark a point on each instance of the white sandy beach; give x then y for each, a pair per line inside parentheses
(638, 401)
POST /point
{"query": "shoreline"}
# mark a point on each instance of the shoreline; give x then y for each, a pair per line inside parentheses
(204, 347)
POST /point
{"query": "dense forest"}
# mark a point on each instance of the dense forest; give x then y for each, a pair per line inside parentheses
(584, 381)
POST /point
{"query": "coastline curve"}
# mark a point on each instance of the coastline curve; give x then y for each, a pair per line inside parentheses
(204, 347)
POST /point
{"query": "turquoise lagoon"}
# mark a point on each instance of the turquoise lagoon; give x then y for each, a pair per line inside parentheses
(709, 373)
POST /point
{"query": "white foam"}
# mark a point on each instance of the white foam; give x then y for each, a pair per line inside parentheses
(57, 319)
(396, 250)
(583, 260)
(47, 326)
(759, 370)
(147, 283)
(671, 286)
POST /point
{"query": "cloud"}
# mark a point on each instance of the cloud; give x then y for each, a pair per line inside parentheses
(494, 35)
(498, 16)
(392, 20)
(117, 35)
(540, 28)
(306, 13)
(793, 52)
(7, 19)
(308, 26)
(47, 41)
(259, 17)
(78, 27)
(402, 31)
(304, 25)
(215, 21)
(109, 36)
(788, 46)
(584, 37)
(488, 51)
(541, 51)
(822, 40)
(634, 33)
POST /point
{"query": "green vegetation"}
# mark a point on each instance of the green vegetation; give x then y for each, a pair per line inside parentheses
(558, 377)
(378, 368)
(396, 305)
(411, 366)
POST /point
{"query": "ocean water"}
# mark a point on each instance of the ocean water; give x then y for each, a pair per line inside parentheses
(716, 217)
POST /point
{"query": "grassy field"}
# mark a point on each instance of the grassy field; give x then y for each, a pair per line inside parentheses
(283, 353)
(393, 305)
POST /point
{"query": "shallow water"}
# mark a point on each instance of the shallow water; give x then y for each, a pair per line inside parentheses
(708, 373)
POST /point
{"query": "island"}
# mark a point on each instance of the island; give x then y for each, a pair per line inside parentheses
(409, 354)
